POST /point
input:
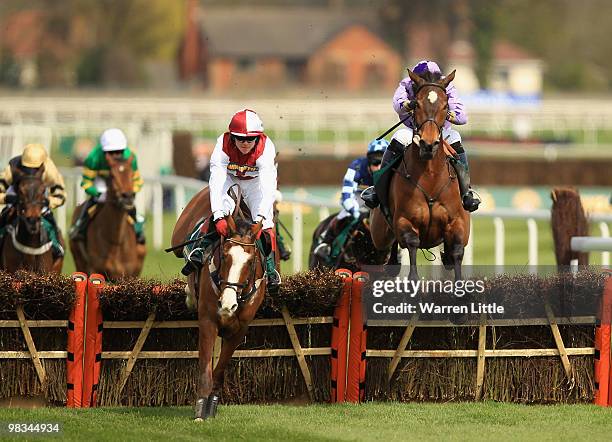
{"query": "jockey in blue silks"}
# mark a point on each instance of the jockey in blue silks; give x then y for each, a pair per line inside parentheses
(403, 104)
(358, 177)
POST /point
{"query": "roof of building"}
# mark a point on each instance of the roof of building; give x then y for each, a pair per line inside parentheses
(260, 32)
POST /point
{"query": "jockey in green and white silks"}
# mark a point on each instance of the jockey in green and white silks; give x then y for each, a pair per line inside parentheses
(93, 182)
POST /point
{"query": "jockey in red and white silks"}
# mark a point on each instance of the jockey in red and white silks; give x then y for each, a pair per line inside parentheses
(245, 156)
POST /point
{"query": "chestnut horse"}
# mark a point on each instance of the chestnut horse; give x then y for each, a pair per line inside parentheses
(110, 246)
(424, 200)
(27, 244)
(225, 309)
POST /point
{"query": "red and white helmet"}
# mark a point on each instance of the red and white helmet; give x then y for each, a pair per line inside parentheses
(246, 123)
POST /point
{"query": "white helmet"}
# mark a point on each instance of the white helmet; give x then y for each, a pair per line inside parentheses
(112, 140)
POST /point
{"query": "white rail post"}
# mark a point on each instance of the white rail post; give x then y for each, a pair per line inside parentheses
(605, 233)
(500, 244)
(158, 216)
(62, 218)
(468, 252)
(532, 228)
(179, 199)
(298, 239)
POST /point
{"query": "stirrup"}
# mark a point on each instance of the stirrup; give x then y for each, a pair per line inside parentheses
(322, 250)
(370, 198)
(470, 202)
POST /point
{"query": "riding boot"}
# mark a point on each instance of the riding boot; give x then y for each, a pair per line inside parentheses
(57, 250)
(369, 196)
(78, 229)
(194, 252)
(283, 250)
(138, 222)
(269, 246)
(274, 279)
(469, 200)
(336, 226)
(323, 250)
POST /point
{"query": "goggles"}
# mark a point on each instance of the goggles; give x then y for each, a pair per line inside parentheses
(245, 139)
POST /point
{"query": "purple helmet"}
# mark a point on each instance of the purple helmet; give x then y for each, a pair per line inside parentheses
(426, 66)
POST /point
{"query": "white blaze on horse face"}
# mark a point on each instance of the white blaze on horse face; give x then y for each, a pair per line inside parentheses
(229, 299)
(432, 97)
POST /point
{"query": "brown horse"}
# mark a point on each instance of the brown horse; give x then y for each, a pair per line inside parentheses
(27, 244)
(110, 247)
(424, 199)
(226, 305)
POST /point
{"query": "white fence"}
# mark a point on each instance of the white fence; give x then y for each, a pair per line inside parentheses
(324, 126)
(150, 202)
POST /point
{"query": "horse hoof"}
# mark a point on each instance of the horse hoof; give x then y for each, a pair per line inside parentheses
(211, 405)
(201, 409)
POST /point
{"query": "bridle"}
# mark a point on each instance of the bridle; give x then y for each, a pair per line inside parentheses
(419, 127)
(240, 287)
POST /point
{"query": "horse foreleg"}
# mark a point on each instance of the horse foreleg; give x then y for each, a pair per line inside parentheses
(410, 240)
(208, 333)
(454, 240)
(227, 350)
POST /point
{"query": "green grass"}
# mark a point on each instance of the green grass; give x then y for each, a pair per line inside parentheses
(372, 421)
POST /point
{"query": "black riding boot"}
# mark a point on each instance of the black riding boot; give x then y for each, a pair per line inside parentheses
(77, 230)
(369, 196)
(468, 199)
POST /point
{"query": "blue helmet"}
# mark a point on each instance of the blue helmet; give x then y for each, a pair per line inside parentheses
(377, 146)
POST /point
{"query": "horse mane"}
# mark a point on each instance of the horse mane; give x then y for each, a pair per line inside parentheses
(243, 227)
(431, 77)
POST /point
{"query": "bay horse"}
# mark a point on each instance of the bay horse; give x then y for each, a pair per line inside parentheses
(424, 198)
(27, 244)
(110, 247)
(227, 305)
(357, 251)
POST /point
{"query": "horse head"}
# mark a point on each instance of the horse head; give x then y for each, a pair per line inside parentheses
(430, 112)
(121, 184)
(239, 265)
(31, 200)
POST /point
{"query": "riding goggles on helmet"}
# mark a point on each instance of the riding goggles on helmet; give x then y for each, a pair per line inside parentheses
(247, 139)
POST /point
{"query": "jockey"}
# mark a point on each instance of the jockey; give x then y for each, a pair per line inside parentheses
(244, 155)
(112, 143)
(357, 177)
(403, 103)
(34, 157)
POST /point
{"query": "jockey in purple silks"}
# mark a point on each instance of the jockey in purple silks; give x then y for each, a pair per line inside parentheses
(403, 103)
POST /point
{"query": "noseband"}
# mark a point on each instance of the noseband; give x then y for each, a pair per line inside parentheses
(239, 287)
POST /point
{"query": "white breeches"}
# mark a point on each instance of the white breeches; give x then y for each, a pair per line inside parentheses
(252, 194)
(405, 134)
